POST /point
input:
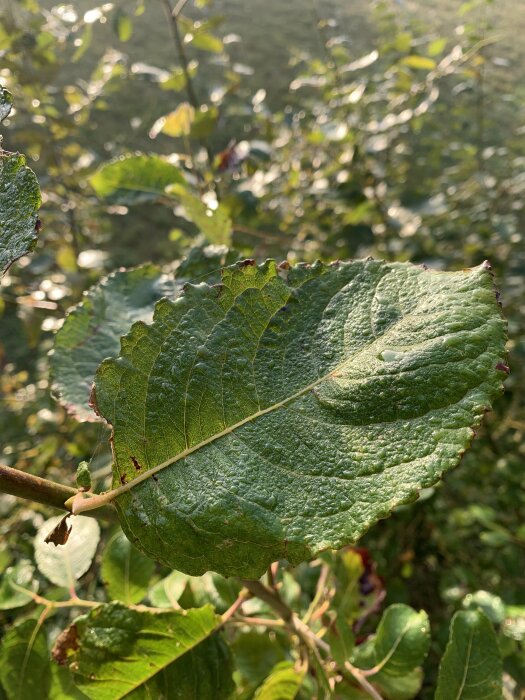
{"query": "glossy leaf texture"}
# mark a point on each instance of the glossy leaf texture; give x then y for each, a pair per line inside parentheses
(64, 564)
(19, 204)
(118, 650)
(471, 666)
(125, 571)
(25, 671)
(285, 411)
(92, 329)
(135, 179)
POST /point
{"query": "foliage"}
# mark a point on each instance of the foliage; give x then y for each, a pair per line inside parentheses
(410, 149)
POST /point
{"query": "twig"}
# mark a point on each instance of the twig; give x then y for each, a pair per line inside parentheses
(304, 632)
(35, 488)
(244, 593)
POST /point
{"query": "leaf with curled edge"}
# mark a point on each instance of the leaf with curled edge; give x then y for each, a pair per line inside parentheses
(19, 204)
(92, 329)
(285, 411)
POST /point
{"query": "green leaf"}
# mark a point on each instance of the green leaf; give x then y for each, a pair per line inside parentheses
(418, 62)
(64, 564)
(62, 685)
(177, 123)
(256, 655)
(83, 476)
(214, 224)
(490, 604)
(92, 330)
(166, 592)
(399, 646)
(282, 684)
(203, 673)
(6, 103)
(284, 412)
(25, 666)
(123, 26)
(19, 204)
(207, 42)
(125, 571)
(135, 179)
(21, 574)
(471, 666)
(120, 649)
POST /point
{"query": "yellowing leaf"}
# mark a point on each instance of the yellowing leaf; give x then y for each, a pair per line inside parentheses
(177, 123)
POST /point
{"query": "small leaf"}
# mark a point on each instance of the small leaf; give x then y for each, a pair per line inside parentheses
(125, 571)
(207, 42)
(166, 592)
(177, 123)
(83, 476)
(65, 564)
(256, 655)
(121, 649)
(25, 667)
(123, 25)
(490, 604)
(234, 391)
(6, 103)
(283, 683)
(214, 224)
(19, 204)
(21, 574)
(400, 644)
(135, 179)
(418, 62)
(471, 666)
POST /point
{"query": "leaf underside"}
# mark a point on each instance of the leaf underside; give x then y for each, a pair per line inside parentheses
(19, 203)
(284, 412)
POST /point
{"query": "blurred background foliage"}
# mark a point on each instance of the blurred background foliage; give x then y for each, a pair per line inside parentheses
(304, 130)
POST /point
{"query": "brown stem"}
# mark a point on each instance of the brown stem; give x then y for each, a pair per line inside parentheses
(273, 600)
(34, 488)
(305, 634)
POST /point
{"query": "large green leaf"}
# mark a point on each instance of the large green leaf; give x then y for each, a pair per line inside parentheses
(135, 179)
(471, 667)
(19, 203)
(119, 649)
(203, 673)
(92, 329)
(125, 571)
(25, 666)
(285, 411)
